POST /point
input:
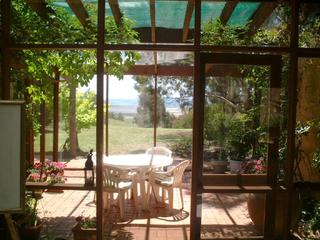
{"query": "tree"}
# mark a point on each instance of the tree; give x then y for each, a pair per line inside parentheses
(145, 111)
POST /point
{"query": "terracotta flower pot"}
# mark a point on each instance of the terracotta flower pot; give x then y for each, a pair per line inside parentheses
(219, 166)
(30, 233)
(234, 166)
(256, 208)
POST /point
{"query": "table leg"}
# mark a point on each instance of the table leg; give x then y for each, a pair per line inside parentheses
(143, 191)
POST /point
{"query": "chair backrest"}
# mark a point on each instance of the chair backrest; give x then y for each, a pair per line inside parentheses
(111, 177)
(177, 172)
(159, 151)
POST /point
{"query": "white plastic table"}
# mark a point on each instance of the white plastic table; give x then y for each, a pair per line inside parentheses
(141, 163)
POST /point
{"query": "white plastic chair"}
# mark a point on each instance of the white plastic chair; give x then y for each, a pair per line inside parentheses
(168, 181)
(118, 181)
(159, 151)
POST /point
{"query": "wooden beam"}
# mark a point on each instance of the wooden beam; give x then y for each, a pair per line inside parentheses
(187, 19)
(227, 11)
(172, 70)
(153, 20)
(41, 8)
(259, 17)
(58, 186)
(80, 11)
(115, 9)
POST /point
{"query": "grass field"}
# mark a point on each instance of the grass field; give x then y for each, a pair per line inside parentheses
(124, 137)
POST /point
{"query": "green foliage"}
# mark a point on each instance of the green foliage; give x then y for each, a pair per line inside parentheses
(310, 218)
(87, 222)
(309, 35)
(315, 163)
(183, 121)
(216, 123)
(75, 67)
(240, 137)
(85, 105)
(116, 116)
(182, 147)
(217, 33)
(30, 216)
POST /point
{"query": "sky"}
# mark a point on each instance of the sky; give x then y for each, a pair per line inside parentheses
(118, 89)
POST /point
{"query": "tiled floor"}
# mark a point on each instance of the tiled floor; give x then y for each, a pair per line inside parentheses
(223, 215)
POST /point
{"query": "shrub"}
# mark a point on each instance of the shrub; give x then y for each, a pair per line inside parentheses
(183, 121)
(183, 147)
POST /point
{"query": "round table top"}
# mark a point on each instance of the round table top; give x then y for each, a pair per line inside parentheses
(136, 161)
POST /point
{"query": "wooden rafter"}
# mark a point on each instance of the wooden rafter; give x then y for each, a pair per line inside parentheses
(115, 9)
(40, 7)
(80, 11)
(153, 20)
(259, 17)
(187, 20)
(153, 32)
(227, 11)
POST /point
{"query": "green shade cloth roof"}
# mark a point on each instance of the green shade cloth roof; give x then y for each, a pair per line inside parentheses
(171, 14)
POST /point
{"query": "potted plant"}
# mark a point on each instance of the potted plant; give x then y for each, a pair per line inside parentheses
(85, 229)
(28, 223)
(257, 201)
(218, 160)
(238, 141)
(50, 172)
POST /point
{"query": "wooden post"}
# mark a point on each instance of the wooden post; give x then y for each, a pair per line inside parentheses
(107, 116)
(56, 117)
(197, 135)
(13, 232)
(43, 132)
(5, 59)
(29, 130)
(292, 105)
(99, 130)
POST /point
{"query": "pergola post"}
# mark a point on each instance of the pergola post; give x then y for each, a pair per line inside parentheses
(56, 116)
(43, 131)
(29, 130)
(5, 54)
(99, 129)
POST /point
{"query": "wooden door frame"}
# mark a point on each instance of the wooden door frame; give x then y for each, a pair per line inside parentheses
(203, 183)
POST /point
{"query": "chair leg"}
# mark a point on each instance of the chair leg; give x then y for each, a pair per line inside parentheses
(170, 194)
(121, 203)
(156, 192)
(181, 198)
(106, 201)
(163, 194)
(135, 194)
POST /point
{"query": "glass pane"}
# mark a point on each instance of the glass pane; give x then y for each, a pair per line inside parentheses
(175, 103)
(308, 121)
(245, 24)
(240, 111)
(130, 114)
(54, 22)
(232, 215)
(309, 24)
(130, 101)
